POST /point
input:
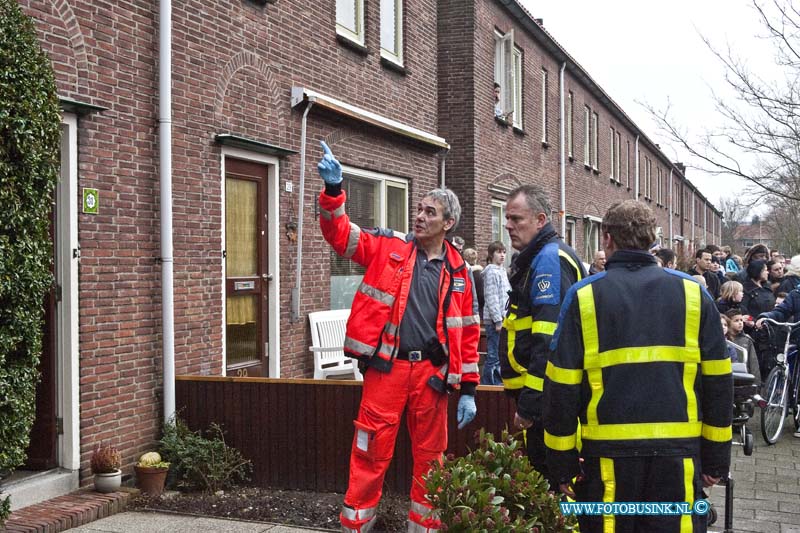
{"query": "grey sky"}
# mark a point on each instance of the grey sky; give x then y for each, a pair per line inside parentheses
(652, 52)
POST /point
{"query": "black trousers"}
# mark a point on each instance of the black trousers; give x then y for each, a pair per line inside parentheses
(641, 479)
(534, 443)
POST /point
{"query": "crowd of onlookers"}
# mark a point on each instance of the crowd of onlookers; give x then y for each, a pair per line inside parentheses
(743, 289)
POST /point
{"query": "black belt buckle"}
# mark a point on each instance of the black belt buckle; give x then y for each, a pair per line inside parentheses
(415, 356)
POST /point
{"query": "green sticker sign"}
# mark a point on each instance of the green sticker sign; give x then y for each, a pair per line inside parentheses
(91, 199)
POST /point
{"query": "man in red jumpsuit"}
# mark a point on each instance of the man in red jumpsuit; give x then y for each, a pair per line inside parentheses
(414, 328)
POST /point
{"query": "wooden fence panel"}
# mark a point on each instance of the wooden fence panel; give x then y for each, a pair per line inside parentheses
(298, 433)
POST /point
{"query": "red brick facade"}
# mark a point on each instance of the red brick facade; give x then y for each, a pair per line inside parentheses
(234, 66)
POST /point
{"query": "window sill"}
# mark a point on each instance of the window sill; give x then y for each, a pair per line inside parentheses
(503, 122)
(571, 159)
(352, 45)
(596, 170)
(518, 130)
(545, 144)
(393, 65)
(587, 166)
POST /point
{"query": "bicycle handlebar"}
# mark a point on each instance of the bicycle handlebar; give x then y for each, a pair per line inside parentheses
(787, 325)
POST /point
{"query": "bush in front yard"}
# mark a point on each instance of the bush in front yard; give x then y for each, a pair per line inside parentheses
(494, 488)
(202, 462)
(29, 151)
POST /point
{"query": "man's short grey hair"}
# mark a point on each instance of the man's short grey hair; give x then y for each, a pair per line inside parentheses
(449, 200)
(535, 197)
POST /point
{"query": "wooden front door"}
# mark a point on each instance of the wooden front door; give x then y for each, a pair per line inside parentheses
(246, 276)
(41, 453)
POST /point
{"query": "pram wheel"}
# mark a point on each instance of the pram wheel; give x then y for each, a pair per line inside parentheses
(749, 442)
(711, 517)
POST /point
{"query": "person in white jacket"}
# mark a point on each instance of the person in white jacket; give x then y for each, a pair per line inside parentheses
(495, 299)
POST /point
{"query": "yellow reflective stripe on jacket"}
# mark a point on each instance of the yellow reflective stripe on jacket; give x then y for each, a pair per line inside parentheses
(691, 290)
(688, 493)
(511, 323)
(534, 382)
(564, 376)
(717, 434)
(648, 430)
(692, 331)
(642, 354)
(565, 255)
(609, 491)
(561, 444)
(716, 367)
(590, 349)
(514, 383)
(542, 326)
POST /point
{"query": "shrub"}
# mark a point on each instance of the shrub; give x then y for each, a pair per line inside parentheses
(202, 462)
(106, 459)
(29, 148)
(494, 488)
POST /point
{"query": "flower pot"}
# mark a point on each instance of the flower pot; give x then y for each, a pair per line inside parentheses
(151, 480)
(108, 482)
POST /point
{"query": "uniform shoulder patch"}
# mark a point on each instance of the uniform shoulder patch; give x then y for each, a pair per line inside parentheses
(546, 276)
(459, 284)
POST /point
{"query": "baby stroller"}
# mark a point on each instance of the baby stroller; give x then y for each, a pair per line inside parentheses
(745, 397)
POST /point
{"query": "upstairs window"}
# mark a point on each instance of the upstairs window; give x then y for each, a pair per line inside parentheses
(587, 132)
(618, 158)
(544, 106)
(595, 124)
(350, 19)
(612, 160)
(508, 75)
(569, 124)
(392, 30)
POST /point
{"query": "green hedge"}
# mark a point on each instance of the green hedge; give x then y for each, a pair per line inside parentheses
(29, 154)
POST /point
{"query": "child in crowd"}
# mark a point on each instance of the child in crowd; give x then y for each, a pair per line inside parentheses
(737, 335)
(730, 295)
(495, 298)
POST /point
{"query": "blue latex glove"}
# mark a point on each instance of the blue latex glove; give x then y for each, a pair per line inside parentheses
(466, 410)
(329, 168)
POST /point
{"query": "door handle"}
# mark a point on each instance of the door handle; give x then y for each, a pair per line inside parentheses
(266, 277)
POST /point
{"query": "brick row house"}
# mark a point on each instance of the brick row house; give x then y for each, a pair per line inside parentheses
(186, 219)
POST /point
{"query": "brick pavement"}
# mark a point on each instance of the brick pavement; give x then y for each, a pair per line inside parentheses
(766, 485)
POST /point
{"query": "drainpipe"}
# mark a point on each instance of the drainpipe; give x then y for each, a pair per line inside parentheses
(296, 289)
(441, 167)
(563, 162)
(636, 154)
(165, 164)
(671, 208)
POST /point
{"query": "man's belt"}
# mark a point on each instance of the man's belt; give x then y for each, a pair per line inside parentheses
(413, 356)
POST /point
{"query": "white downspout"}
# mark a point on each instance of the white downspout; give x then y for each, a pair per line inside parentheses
(297, 279)
(636, 155)
(671, 208)
(165, 164)
(563, 162)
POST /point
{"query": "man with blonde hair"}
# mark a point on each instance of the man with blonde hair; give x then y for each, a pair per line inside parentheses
(650, 384)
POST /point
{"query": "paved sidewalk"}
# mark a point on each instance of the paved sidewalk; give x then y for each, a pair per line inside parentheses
(766, 496)
(152, 522)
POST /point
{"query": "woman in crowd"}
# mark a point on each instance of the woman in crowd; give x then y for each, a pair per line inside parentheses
(758, 299)
(791, 280)
(495, 298)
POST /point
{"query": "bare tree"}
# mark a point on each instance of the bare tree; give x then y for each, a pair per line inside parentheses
(760, 136)
(734, 212)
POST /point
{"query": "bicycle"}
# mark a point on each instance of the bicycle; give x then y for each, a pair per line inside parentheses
(782, 389)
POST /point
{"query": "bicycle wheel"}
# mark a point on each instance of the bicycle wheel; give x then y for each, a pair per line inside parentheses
(774, 414)
(795, 398)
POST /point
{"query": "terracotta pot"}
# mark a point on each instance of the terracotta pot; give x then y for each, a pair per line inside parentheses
(151, 480)
(108, 482)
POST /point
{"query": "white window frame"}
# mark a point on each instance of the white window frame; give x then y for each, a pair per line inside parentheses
(595, 126)
(617, 150)
(660, 185)
(353, 34)
(386, 181)
(544, 106)
(612, 157)
(569, 232)
(508, 73)
(397, 55)
(648, 177)
(587, 135)
(502, 236)
(628, 164)
(591, 239)
(570, 101)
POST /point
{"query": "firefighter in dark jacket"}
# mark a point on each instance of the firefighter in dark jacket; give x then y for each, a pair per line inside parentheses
(650, 385)
(543, 272)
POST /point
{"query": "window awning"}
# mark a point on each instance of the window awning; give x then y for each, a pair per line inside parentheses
(302, 94)
(236, 141)
(79, 108)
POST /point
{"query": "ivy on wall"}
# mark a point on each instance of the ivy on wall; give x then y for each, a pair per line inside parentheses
(29, 158)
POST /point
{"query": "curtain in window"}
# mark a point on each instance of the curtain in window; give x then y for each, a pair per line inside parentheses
(241, 228)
